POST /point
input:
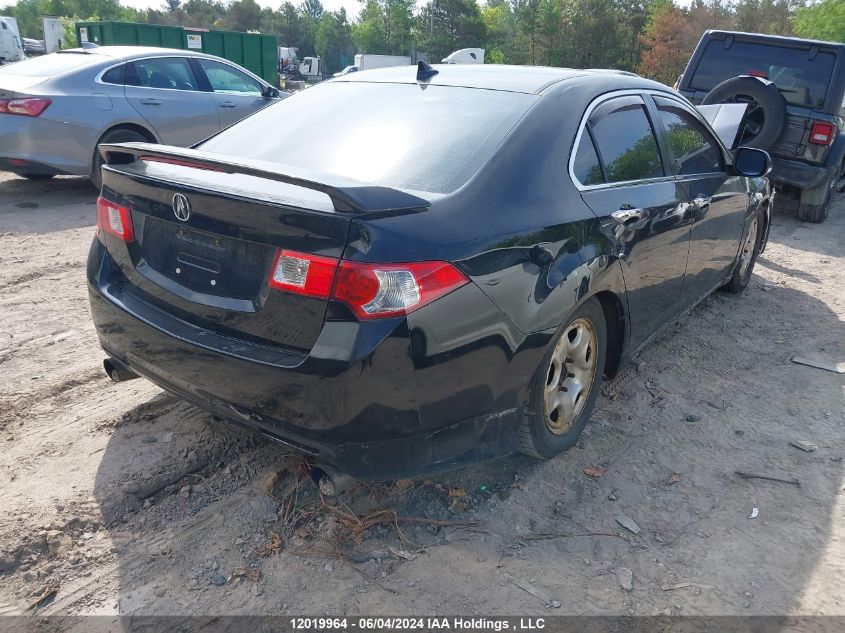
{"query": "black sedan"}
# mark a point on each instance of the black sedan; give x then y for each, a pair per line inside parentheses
(441, 269)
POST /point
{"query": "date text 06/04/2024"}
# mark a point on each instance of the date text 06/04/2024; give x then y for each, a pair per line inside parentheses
(414, 623)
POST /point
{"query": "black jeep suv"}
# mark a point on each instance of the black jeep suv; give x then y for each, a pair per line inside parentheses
(795, 90)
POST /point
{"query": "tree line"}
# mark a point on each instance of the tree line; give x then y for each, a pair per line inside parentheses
(651, 37)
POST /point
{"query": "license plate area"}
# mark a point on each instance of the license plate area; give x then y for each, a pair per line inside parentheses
(204, 262)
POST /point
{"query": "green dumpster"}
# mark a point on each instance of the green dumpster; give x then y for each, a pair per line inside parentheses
(256, 52)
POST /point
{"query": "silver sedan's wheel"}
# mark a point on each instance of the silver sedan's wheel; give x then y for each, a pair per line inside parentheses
(572, 371)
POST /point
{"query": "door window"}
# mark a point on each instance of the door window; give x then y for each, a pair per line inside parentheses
(161, 72)
(625, 141)
(224, 78)
(693, 147)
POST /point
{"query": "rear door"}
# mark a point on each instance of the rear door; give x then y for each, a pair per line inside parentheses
(166, 92)
(717, 200)
(621, 173)
(236, 94)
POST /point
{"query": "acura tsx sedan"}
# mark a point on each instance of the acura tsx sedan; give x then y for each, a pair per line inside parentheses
(442, 271)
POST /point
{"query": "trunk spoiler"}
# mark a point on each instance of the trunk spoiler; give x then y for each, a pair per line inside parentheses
(347, 195)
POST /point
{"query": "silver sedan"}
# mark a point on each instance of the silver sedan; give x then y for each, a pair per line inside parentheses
(56, 109)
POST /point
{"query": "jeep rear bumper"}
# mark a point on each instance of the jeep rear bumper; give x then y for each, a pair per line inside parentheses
(800, 175)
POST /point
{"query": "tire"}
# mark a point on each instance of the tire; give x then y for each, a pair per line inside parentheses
(814, 204)
(766, 114)
(112, 136)
(747, 255)
(37, 177)
(545, 433)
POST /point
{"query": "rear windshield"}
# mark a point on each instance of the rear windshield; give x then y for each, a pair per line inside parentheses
(801, 80)
(49, 65)
(430, 139)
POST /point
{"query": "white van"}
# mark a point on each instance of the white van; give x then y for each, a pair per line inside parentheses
(11, 45)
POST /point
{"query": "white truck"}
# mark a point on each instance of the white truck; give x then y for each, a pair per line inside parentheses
(366, 61)
(11, 44)
(466, 56)
(288, 55)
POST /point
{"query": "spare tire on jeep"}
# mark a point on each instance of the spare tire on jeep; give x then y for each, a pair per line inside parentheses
(766, 113)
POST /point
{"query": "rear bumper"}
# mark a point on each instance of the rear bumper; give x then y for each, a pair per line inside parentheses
(49, 146)
(800, 175)
(351, 402)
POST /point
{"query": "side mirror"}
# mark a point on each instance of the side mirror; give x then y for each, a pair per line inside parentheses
(271, 93)
(751, 162)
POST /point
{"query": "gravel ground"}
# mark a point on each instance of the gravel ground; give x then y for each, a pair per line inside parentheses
(119, 498)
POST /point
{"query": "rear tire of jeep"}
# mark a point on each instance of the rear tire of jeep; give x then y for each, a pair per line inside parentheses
(768, 99)
(814, 204)
(114, 136)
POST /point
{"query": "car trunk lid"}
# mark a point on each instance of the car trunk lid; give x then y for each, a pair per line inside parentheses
(14, 86)
(208, 233)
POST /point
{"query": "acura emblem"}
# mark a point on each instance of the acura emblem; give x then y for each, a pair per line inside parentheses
(181, 207)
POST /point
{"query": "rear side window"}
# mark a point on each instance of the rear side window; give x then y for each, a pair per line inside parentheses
(586, 166)
(425, 138)
(114, 75)
(625, 140)
(173, 73)
(694, 149)
(801, 77)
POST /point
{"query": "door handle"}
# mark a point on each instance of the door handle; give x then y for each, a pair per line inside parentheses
(627, 214)
(153, 102)
(228, 104)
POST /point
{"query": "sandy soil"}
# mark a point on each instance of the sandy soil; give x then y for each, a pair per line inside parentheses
(118, 498)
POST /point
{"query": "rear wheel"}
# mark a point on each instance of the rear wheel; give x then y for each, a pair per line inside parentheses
(747, 256)
(566, 386)
(814, 204)
(113, 136)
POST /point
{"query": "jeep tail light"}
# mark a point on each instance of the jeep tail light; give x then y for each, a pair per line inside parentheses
(822, 133)
(24, 107)
(371, 291)
(114, 219)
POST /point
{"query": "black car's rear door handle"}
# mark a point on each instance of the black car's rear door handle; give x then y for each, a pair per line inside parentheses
(228, 104)
(153, 102)
(628, 214)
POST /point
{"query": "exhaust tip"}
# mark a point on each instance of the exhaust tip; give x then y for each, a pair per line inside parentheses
(118, 372)
(330, 481)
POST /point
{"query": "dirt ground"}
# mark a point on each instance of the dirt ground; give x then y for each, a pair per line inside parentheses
(119, 498)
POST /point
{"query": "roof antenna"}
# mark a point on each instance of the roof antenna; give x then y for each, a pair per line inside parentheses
(425, 71)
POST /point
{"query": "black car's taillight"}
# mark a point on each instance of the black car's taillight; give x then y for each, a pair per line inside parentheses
(372, 291)
(115, 219)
